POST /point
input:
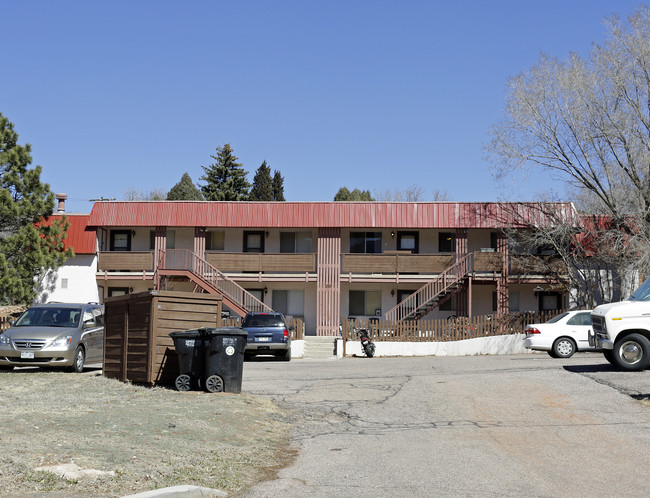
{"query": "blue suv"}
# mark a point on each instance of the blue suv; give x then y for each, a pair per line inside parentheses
(268, 334)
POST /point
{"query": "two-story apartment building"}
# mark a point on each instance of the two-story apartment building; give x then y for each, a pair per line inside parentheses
(323, 261)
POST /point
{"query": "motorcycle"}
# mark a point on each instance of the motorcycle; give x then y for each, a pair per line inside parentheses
(366, 343)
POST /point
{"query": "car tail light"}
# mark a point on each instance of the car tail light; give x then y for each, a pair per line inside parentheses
(286, 334)
(533, 330)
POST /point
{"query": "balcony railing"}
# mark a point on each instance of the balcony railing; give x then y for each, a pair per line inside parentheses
(262, 262)
(125, 261)
(396, 263)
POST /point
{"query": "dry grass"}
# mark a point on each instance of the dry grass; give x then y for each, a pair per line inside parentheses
(149, 437)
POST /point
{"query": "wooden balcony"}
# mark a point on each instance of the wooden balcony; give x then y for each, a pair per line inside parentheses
(488, 262)
(264, 262)
(125, 261)
(396, 262)
(523, 264)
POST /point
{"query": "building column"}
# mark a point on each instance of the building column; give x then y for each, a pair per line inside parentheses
(199, 241)
(328, 286)
(503, 294)
(462, 297)
(160, 243)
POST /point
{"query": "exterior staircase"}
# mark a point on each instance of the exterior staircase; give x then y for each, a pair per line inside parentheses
(184, 263)
(434, 292)
(319, 346)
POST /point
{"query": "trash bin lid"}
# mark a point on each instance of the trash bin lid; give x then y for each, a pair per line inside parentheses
(186, 334)
(225, 331)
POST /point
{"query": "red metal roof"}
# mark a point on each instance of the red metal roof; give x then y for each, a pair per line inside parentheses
(323, 214)
(80, 238)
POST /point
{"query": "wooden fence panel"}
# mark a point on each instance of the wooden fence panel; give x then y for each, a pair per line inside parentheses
(444, 330)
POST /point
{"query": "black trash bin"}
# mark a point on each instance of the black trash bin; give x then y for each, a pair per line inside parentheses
(190, 348)
(224, 360)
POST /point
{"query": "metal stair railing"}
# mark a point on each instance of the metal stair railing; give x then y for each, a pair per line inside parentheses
(434, 289)
(184, 259)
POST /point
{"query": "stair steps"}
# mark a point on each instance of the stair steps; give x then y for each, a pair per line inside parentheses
(319, 346)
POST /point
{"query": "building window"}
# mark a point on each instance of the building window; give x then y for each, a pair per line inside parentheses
(253, 241)
(513, 301)
(549, 301)
(117, 291)
(494, 238)
(120, 240)
(215, 240)
(365, 242)
(295, 242)
(257, 294)
(446, 242)
(403, 294)
(64, 283)
(408, 241)
(170, 238)
(289, 302)
(366, 303)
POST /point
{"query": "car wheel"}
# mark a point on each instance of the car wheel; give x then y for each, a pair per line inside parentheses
(564, 347)
(552, 354)
(609, 356)
(632, 352)
(79, 360)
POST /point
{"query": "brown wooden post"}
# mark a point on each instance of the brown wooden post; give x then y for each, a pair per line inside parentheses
(503, 294)
(199, 241)
(328, 285)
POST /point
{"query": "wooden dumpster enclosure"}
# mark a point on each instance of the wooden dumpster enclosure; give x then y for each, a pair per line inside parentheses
(137, 346)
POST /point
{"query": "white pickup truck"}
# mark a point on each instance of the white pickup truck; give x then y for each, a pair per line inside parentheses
(622, 330)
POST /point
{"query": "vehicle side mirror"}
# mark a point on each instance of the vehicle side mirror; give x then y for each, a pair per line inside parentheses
(12, 323)
(89, 324)
(292, 328)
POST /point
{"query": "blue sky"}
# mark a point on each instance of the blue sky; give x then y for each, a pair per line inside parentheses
(375, 95)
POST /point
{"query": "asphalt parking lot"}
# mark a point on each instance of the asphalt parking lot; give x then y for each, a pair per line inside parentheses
(520, 425)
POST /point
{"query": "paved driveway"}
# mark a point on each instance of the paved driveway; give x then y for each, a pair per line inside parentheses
(523, 425)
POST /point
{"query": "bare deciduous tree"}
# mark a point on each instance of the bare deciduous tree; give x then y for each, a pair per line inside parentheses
(587, 122)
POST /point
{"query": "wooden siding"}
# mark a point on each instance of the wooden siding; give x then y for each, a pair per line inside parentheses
(125, 261)
(137, 345)
(328, 286)
(264, 262)
(395, 263)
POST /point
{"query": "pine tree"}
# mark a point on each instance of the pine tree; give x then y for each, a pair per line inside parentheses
(28, 247)
(278, 187)
(344, 194)
(262, 189)
(226, 178)
(185, 190)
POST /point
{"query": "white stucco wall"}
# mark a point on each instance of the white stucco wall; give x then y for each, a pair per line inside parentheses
(74, 282)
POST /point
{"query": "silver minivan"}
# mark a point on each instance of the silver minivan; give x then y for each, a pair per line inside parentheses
(55, 335)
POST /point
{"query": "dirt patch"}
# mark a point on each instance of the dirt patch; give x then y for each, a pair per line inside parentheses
(132, 438)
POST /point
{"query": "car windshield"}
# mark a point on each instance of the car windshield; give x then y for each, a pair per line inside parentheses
(557, 318)
(263, 321)
(642, 293)
(49, 317)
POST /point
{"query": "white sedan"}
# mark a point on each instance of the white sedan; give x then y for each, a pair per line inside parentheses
(561, 336)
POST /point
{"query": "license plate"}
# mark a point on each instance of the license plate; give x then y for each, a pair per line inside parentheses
(263, 339)
(28, 355)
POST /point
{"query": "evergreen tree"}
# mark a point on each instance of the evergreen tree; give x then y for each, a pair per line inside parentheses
(262, 189)
(344, 194)
(28, 247)
(226, 178)
(278, 187)
(185, 190)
